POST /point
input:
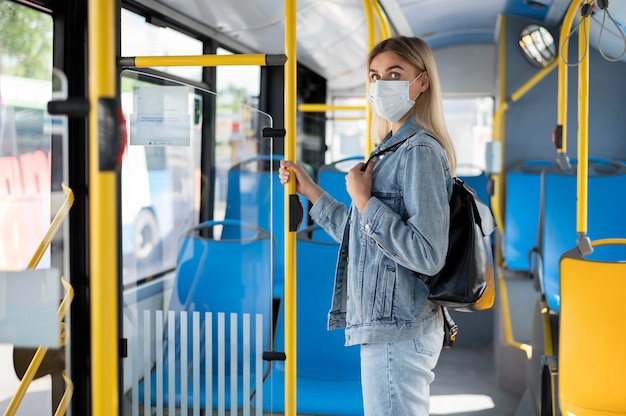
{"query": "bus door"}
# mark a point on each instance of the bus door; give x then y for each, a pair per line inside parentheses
(198, 312)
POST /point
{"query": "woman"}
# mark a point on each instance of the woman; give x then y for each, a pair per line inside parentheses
(397, 225)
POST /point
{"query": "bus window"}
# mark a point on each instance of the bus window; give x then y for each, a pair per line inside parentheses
(470, 123)
(236, 135)
(140, 38)
(348, 130)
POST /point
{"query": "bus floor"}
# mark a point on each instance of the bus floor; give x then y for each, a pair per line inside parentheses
(465, 385)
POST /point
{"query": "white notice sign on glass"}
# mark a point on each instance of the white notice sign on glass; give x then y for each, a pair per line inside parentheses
(29, 303)
(160, 116)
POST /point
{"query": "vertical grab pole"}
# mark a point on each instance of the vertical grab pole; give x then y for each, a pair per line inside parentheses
(563, 57)
(498, 129)
(290, 236)
(584, 244)
(102, 215)
(371, 40)
(383, 22)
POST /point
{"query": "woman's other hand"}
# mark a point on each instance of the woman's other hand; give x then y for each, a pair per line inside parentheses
(359, 183)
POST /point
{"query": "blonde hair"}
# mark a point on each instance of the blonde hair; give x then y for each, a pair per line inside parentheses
(428, 108)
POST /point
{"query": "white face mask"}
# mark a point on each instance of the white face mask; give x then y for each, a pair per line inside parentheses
(390, 99)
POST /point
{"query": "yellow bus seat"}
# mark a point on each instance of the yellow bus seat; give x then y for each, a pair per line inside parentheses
(592, 354)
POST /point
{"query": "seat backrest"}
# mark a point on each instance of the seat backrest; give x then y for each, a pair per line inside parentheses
(591, 351)
(523, 185)
(557, 231)
(219, 273)
(256, 196)
(331, 178)
(478, 180)
(321, 353)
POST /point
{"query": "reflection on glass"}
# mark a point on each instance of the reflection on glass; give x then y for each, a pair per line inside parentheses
(32, 159)
(537, 45)
(238, 128)
(159, 182)
(162, 184)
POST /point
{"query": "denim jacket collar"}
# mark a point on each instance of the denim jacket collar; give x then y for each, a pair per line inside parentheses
(408, 129)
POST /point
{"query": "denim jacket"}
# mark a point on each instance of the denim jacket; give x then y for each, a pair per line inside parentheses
(377, 295)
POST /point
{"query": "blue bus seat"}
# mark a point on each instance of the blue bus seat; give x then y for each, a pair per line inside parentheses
(217, 275)
(328, 372)
(478, 180)
(521, 215)
(557, 220)
(256, 196)
(331, 178)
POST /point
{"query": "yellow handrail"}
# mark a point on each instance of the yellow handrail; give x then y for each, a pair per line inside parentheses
(204, 60)
(35, 362)
(34, 261)
(103, 241)
(371, 41)
(54, 227)
(606, 241)
(582, 187)
(498, 201)
(383, 22)
(506, 320)
(67, 396)
(320, 108)
(290, 236)
(561, 118)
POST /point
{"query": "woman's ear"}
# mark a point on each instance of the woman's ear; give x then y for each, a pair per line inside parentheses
(424, 82)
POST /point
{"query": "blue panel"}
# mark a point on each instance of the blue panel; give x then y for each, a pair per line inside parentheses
(523, 9)
(461, 38)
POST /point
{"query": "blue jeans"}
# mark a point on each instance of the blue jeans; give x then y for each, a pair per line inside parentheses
(396, 376)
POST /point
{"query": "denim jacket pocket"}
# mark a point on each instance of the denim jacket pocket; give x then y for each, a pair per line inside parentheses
(381, 295)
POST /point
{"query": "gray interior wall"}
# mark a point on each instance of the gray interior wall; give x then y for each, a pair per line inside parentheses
(530, 121)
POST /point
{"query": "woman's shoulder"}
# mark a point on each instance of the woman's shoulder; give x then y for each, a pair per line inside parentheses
(423, 137)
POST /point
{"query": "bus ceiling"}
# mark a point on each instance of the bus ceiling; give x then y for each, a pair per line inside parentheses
(332, 36)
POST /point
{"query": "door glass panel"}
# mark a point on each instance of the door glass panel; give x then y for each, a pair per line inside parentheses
(34, 204)
(197, 313)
